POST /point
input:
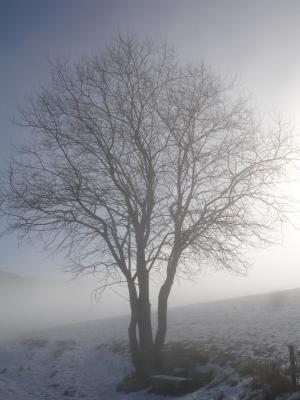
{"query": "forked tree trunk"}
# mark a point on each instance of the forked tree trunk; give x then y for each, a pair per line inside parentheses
(141, 340)
(140, 328)
(146, 353)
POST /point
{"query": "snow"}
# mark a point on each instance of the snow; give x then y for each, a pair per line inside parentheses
(13, 391)
(85, 360)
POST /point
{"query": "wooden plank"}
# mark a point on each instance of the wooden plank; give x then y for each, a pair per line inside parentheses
(171, 378)
(169, 384)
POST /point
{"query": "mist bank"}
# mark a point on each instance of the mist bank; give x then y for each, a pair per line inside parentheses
(29, 303)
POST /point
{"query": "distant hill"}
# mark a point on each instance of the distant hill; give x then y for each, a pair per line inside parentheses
(11, 284)
(7, 278)
(28, 303)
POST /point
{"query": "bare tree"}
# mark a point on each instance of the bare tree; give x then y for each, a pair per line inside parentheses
(139, 166)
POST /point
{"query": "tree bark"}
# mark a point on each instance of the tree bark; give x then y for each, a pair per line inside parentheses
(132, 329)
(145, 326)
(141, 347)
(162, 312)
(133, 341)
(161, 324)
(144, 323)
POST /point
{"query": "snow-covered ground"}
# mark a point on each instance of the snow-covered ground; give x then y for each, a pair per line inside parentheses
(85, 361)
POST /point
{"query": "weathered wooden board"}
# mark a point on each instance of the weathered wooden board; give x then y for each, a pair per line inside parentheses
(170, 383)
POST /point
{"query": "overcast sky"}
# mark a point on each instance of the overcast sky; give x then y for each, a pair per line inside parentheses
(257, 41)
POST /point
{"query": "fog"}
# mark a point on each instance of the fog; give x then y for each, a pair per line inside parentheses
(27, 303)
(257, 42)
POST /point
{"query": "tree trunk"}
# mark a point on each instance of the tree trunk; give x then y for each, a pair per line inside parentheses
(162, 312)
(145, 327)
(144, 310)
(132, 329)
(133, 341)
(140, 327)
(161, 324)
(141, 348)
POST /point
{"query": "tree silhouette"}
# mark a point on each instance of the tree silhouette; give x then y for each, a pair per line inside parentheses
(140, 166)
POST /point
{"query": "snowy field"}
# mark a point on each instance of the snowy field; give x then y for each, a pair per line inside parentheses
(86, 361)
